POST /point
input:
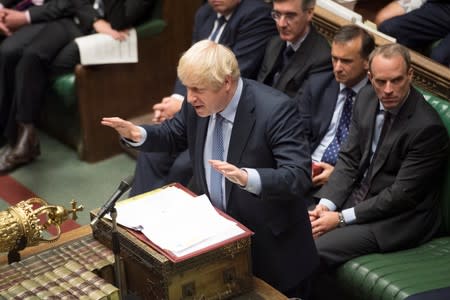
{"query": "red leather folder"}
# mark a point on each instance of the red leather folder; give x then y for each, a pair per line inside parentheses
(247, 232)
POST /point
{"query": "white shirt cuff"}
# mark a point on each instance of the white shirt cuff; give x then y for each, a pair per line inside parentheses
(328, 203)
(137, 144)
(178, 97)
(253, 181)
(349, 215)
(27, 15)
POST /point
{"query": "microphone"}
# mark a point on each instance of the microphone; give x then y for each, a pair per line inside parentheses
(124, 186)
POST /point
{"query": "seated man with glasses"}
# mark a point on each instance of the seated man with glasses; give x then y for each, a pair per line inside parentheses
(298, 51)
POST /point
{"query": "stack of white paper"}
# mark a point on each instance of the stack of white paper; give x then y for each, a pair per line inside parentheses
(100, 48)
(176, 221)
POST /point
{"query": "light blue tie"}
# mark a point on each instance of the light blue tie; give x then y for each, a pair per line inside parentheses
(331, 153)
(217, 153)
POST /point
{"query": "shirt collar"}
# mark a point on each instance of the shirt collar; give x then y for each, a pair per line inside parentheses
(229, 112)
(295, 45)
(357, 87)
(227, 17)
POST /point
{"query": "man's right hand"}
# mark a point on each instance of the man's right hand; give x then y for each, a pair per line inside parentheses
(4, 30)
(166, 109)
(14, 19)
(126, 129)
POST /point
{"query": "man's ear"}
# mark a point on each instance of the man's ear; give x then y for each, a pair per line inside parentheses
(369, 75)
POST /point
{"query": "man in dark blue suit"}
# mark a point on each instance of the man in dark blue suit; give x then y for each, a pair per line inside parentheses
(422, 27)
(242, 25)
(323, 102)
(263, 166)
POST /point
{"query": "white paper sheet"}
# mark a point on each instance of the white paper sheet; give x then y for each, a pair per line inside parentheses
(176, 221)
(100, 48)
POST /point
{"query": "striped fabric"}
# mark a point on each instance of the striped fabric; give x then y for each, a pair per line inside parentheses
(61, 273)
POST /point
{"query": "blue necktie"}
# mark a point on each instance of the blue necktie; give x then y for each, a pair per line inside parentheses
(220, 21)
(331, 153)
(217, 153)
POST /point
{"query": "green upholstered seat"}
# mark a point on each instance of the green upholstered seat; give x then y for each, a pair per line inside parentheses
(400, 274)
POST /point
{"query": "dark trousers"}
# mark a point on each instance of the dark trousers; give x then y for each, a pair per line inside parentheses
(335, 248)
(24, 70)
(156, 169)
(342, 244)
(421, 27)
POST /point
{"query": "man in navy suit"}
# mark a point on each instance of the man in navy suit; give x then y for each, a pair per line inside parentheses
(323, 100)
(242, 25)
(264, 165)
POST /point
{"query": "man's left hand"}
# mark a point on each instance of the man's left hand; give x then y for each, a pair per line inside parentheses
(327, 221)
(231, 172)
(322, 178)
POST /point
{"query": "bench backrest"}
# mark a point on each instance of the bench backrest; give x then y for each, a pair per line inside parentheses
(443, 108)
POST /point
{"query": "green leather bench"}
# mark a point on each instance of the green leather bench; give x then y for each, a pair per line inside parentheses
(403, 274)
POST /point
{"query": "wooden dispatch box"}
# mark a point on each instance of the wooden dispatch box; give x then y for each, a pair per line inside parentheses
(218, 274)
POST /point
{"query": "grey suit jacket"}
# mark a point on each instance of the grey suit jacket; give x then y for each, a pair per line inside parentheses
(313, 56)
(267, 136)
(402, 204)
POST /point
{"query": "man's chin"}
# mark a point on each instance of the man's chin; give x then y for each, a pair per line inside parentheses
(201, 112)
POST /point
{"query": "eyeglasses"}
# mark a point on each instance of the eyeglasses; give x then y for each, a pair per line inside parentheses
(288, 17)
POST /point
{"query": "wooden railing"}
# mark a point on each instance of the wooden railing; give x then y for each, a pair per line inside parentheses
(428, 75)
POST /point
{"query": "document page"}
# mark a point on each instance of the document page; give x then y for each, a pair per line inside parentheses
(176, 221)
(100, 48)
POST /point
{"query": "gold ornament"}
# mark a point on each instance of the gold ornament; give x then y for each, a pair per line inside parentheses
(23, 224)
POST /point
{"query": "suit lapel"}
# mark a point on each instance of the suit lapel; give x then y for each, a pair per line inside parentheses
(368, 121)
(326, 110)
(200, 139)
(208, 25)
(275, 52)
(244, 122)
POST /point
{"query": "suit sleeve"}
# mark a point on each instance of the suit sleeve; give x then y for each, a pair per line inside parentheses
(9, 3)
(52, 10)
(420, 169)
(292, 176)
(170, 136)
(129, 13)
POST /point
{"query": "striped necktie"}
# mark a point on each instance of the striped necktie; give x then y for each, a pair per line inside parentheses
(217, 153)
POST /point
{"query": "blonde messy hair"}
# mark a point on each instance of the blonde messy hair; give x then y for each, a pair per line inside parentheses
(206, 65)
